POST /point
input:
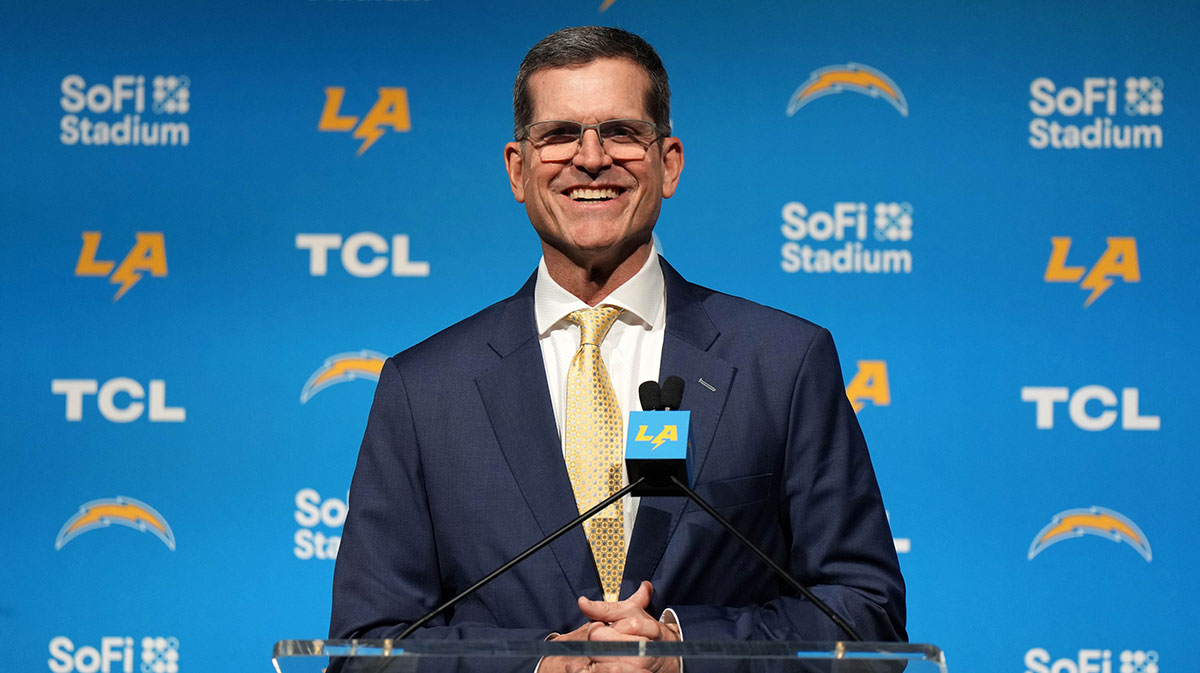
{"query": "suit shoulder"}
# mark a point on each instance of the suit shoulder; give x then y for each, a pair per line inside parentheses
(740, 316)
(770, 347)
(460, 348)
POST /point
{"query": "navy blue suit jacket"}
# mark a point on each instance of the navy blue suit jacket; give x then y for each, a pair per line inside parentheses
(461, 469)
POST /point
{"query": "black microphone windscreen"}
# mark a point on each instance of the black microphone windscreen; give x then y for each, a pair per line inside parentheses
(672, 392)
(650, 395)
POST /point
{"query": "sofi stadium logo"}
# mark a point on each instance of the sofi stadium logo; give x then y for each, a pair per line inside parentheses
(1039, 660)
(126, 111)
(115, 654)
(1095, 521)
(850, 237)
(1096, 114)
(1119, 261)
(320, 519)
(118, 511)
(388, 112)
(852, 77)
(341, 368)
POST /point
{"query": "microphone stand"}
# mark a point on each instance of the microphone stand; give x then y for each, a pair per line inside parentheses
(843, 624)
(522, 556)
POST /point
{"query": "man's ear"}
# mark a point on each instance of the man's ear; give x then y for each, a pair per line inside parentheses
(672, 158)
(514, 163)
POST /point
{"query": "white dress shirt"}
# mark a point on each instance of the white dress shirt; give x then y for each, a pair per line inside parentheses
(631, 350)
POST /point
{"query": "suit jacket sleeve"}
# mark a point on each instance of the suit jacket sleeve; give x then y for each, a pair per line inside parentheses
(837, 539)
(388, 572)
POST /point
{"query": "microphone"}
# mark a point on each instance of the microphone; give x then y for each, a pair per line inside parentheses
(660, 463)
(650, 394)
(672, 393)
(656, 442)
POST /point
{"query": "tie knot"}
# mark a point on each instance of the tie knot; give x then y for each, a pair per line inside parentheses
(594, 323)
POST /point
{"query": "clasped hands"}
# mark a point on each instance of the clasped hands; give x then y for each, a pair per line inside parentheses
(622, 621)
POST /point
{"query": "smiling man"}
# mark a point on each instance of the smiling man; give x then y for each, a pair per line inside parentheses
(493, 433)
(594, 213)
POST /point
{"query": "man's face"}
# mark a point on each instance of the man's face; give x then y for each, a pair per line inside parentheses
(591, 208)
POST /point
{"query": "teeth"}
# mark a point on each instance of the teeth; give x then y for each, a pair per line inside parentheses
(585, 194)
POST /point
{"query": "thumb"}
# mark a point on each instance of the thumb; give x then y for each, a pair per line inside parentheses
(600, 611)
(603, 611)
(642, 596)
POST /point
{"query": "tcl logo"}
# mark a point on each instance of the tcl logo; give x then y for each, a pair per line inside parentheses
(395, 256)
(130, 392)
(1093, 398)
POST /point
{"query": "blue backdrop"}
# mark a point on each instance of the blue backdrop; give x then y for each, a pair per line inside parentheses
(217, 216)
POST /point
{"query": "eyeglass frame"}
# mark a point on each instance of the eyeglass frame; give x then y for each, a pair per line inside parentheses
(583, 128)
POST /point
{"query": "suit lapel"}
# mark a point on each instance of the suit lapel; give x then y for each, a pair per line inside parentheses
(518, 405)
(689, 334)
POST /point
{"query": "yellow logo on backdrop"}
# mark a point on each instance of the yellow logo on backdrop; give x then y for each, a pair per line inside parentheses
(149, 253)
(870, 384)
(390, 109)
(1120, 260)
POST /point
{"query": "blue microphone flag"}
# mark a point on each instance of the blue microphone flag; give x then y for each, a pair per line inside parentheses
(656, 448)
(658, 435)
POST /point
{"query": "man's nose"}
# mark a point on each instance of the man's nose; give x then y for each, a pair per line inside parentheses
(591, 156)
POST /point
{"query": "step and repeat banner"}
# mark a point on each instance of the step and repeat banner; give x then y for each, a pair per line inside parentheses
(219, 218)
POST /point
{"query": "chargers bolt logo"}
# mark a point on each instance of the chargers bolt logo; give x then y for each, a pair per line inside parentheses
(390, 110)
(120, 510)
(657, 435)
(854, 77)
(668, 433)
(149, 253)
(1120, 260)
(1098, 521)
(341, 368)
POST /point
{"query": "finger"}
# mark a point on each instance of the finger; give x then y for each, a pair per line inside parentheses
(609, 634)
(622, 666)
(603, 611)
(577, 634)
(642, 596)
(563, 665)
(644, 627)
(578, 665)
(640, 599)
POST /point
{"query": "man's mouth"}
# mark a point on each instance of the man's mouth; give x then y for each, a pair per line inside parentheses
(592, 194)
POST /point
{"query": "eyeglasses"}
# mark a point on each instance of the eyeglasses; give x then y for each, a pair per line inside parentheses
(622, 139)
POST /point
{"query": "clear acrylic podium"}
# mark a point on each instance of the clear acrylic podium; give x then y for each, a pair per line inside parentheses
(444, 656)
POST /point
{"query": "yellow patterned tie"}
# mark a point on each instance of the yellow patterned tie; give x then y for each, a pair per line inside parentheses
(592, 445)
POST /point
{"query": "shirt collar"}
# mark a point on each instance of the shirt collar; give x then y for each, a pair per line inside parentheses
(641, 298)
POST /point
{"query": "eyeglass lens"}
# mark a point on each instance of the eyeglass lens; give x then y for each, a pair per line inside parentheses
(622, 139)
